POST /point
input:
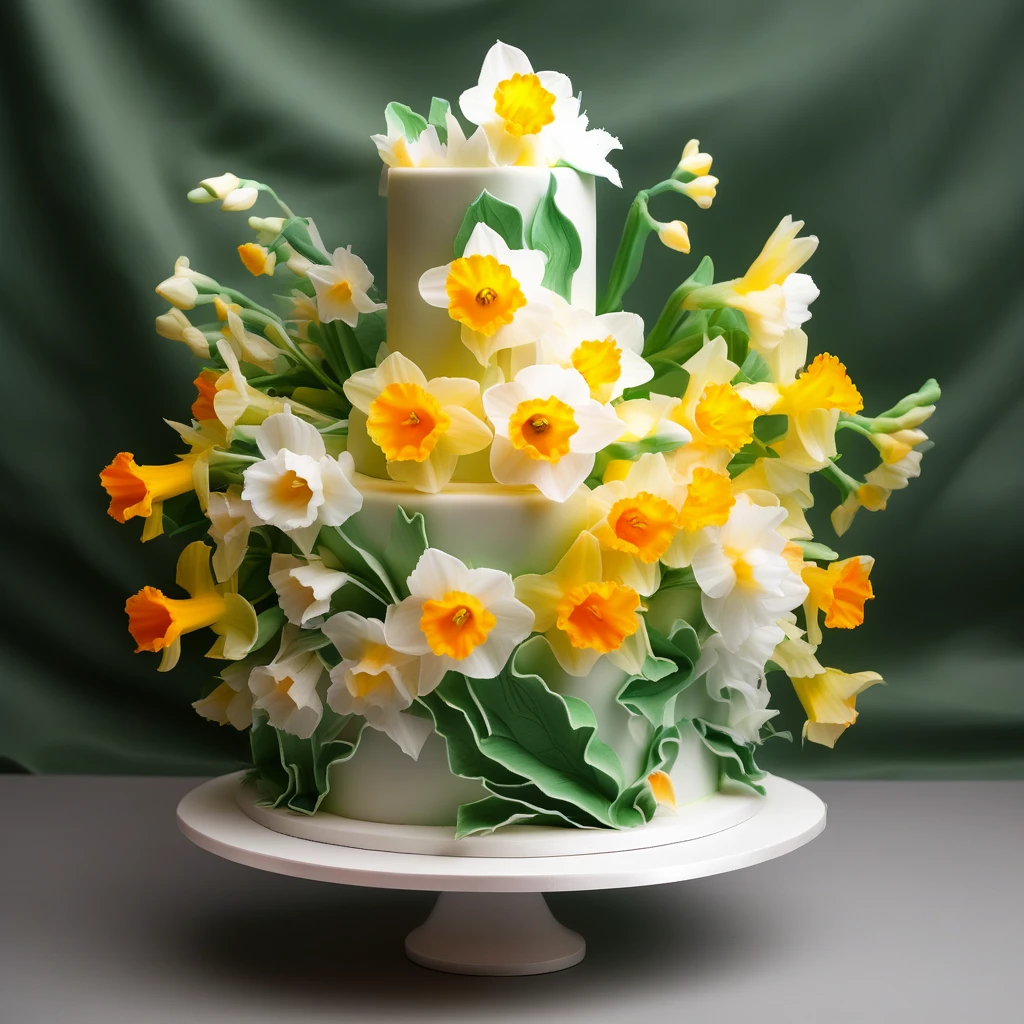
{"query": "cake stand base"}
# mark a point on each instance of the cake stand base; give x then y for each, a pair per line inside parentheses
(491, 917)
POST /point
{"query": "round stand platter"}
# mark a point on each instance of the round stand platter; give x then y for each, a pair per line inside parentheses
(491, 917)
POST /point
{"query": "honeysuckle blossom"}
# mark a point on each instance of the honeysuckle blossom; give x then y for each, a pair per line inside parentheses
(547, 429)
(744, 579)
(298, 487)
(839, 590)
(182, 289)
(342, 288)
(304, 587)
(231, 519)
(257, 259)
(428, 150)
(457, 619)
(287, 687)
(829, 699)
(375, 681)
(422, 426)
(636, 520)
(772, 296)
(533, 119)
(177, 327)
(157, 622)
(141, 490)
(230, 702)
(605, 349)
(583, 615)
(494, 292)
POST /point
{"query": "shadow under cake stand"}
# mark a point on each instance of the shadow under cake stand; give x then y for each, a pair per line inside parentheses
(491, 917)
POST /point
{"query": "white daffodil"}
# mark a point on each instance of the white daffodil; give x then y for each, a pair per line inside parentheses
(298, 487)
(249, 347)
(428, 150)
(547, 429)
(304, 587)
(341, 288)
(744, 579)
(175, 325)
(375, 681)
(584, 616)
(230, 702)
(422, 426)
(495, 293)
(182, 289)
(287, 688)
(605, 349)
(458, 619)
(772, 296)
(231, 519)
(533, 119)
(636, 520)
(235, 400)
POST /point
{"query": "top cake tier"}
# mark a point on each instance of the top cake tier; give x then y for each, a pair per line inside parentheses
(426, 207)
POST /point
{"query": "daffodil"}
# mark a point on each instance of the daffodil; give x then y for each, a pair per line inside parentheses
(547, 429)
(182, 289)
(375, 681)
(873, 494)
(583, 615)
(643, 419)
(157, 622)
(231, 519)
(422, 426)
(744, 579)
(304, 587)
(342, 288)
(839, 590)
(395, 150)
(775, 482)
(239, 199)
(605, 349)
(287, 688)
(636, 520)
(218, 187)
(771, 294)
(177, 327)
(829, 699)
(235, 400)
(230, 702)
(297, 486)
(457, 619)
(708, 502)
(249, 347)
(494, 292)
(533, 119)
(257, 259)
(141, 490)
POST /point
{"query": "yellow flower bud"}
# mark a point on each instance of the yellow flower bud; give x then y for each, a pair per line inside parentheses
(693, 161)
(701, 190)
(675, 235)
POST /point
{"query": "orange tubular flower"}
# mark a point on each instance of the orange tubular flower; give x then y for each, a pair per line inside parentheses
(140, 490)
(840, 591)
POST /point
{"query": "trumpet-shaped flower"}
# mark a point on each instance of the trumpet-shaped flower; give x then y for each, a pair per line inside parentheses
(874, 493)
(177, 327)
(605, 349)
(428, 150)
(829, 699)
(304, 587)
(230, 702)
(182, 289)
(494, 292)
(287, 688)
(257, 259)
(583, 615)
(457, 619)
(839, 590)
(744, 579)
(231, 519)
(708, 501)
(298, 487)
(532, 118)
(157, 622)
(375, 681)
(422, 426)
(342, 288)
(636, 520)
(547, 429)
(141, 490)
(771, 294)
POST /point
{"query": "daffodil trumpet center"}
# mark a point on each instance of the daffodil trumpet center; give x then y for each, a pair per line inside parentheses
(598, 616)
(724, 417)
(523, 104)
(134, 489)
(542, 428)
(709, 499)
(600, 363)
(405, 421)
(643, 525)
(340, 291)
(840, 591)
(293, 491)
(206, 388)
(482, 293)
(825, 384)
(741, 567)
(155, 621)
(456, 624)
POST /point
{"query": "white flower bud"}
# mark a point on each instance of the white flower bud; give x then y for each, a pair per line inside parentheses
(221, 185)
(266, 228)
(177, 327)
(178, 291)
(675, 235)
(240, 199)
(200, 195)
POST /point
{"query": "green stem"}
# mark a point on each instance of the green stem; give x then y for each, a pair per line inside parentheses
(349, 346)
(845, 484)
(277, 199)
(672, 312)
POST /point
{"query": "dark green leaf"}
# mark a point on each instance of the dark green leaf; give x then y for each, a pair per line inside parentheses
(270, 622)
(754, 370)
(702, 276)
(501, 217)
(556, 236)
(406, 544)
(768, 429)
(438, 117)
(371, 331)
(730, 324)
(404, 120)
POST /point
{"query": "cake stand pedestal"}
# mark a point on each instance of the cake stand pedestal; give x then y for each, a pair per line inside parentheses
(491, 917)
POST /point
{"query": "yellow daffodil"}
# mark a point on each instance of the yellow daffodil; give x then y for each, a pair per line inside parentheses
(141, 490)
(829, 700)
(157, 622)
(873, 494)
(701, 190)
(583, 615)
(839, 590)
(422, 426)
(708, 501)
(177, 327)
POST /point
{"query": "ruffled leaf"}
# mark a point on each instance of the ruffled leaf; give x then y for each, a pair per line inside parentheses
(404, 120)
(664, 676)
(406, 544)
(735, 759)
(556, 236)
(493, 812)
(499, 216)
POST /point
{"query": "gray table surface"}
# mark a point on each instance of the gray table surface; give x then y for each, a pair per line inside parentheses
(908, 908)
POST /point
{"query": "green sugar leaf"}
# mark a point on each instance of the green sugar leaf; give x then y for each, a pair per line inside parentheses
(556, 236)
(501, 217)
(405, 120)
(438, 117)
(406, 544)
(754, 370)
(731, 324)
(735, 759)
(665, 676)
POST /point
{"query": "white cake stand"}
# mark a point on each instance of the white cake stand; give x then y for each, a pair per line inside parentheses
(490, 917)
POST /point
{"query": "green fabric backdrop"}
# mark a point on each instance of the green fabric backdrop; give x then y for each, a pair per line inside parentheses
(892, 126)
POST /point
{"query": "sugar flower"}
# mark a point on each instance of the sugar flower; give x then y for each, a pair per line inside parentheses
(287, 688)
(583, 615)
(422, 426)
(428, 150)
(141, 490)
(182, 289)
(458, 619)
(298, 487)
(839, 590)
(494, 292)
(342, 288)
(230, 702)
(533, 119)
(157, 622)
(304, 587)
(257, 259)
(235, 400)
(605, 349)
(177, 327)
(708, 502)
(231, 519)
(547, 429)
(829, 699)
(249, 347)
(375, 681)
